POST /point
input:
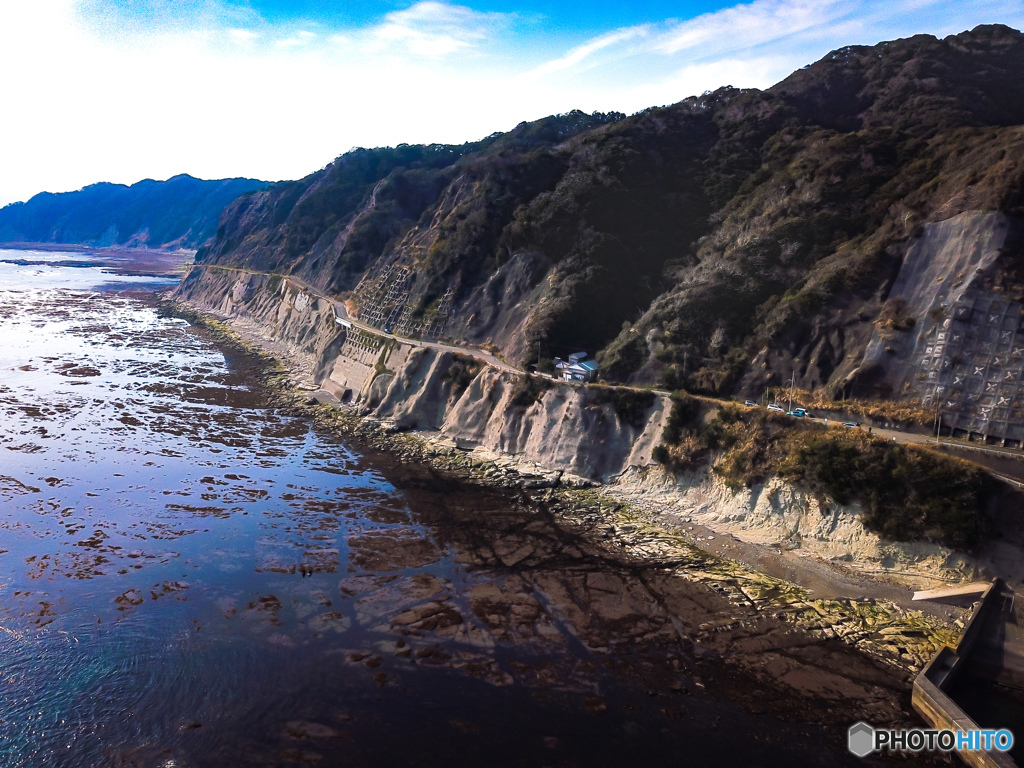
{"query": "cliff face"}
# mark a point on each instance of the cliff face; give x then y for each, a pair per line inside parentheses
(718, 244)
(571, 429)
(181, 212)
(786, 518)
(564, 429)
(288, 321)
(552, 431)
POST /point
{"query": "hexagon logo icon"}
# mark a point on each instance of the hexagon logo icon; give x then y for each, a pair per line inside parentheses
(861, 739)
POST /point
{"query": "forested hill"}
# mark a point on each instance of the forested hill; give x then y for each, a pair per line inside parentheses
(181, 212)
(718, 244)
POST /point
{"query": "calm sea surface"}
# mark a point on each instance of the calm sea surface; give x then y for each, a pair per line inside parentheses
(157, 520)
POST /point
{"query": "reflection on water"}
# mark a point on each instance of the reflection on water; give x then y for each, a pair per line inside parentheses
(190, 578)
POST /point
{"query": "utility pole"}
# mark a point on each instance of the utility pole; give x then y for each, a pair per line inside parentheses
(792, 381)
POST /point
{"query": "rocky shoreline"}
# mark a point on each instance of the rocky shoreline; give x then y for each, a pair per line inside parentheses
(881, 629)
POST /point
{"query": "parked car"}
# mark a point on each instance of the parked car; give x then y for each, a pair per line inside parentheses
(851, 424)
(797, 413)
(750, 403)
(774, 407)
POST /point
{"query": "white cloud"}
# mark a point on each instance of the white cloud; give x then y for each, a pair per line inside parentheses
(581, 52)
(435, 29)
(697, 78)
(294, 41)
(89, 100)
(243, 35)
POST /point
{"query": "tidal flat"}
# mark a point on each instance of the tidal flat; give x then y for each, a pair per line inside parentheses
(196, 572)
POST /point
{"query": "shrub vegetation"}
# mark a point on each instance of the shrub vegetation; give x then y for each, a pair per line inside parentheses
(631, 405)
(461, 373)
(528, 390)
(907, 493)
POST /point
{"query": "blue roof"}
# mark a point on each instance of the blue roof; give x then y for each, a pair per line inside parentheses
(590, 365)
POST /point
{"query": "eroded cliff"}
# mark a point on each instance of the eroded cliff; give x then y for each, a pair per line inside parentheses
(558, 432)
(566, 428)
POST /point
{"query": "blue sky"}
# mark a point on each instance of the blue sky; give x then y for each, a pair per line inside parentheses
(120, 90)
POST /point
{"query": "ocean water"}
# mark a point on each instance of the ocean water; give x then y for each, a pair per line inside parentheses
(191, 577)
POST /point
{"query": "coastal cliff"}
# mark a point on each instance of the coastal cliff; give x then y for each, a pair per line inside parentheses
(563, 428)
(548, 432)
(856, 231)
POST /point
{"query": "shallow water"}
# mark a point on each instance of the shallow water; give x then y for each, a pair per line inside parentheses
(158, 518)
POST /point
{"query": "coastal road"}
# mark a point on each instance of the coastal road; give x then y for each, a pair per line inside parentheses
(341, 313)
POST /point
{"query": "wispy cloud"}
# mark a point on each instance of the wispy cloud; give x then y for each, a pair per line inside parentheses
(755, 44)
(435, 29)
(585, 51)
(672, 46)
(745, 26)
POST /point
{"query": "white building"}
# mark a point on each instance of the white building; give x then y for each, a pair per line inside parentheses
(576, 368)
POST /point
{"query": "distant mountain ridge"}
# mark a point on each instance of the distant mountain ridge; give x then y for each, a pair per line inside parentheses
(181, 212)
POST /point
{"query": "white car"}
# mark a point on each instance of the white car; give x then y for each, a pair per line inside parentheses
(774, 407)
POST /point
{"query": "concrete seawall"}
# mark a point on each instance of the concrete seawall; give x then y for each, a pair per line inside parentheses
(989, 649)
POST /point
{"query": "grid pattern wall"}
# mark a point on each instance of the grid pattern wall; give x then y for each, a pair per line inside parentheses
(972, 369)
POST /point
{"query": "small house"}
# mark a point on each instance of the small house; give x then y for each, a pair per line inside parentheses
(576, 368)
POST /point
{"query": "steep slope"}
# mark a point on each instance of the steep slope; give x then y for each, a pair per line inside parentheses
(719, 244)
(181, 212)
(872, 145)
